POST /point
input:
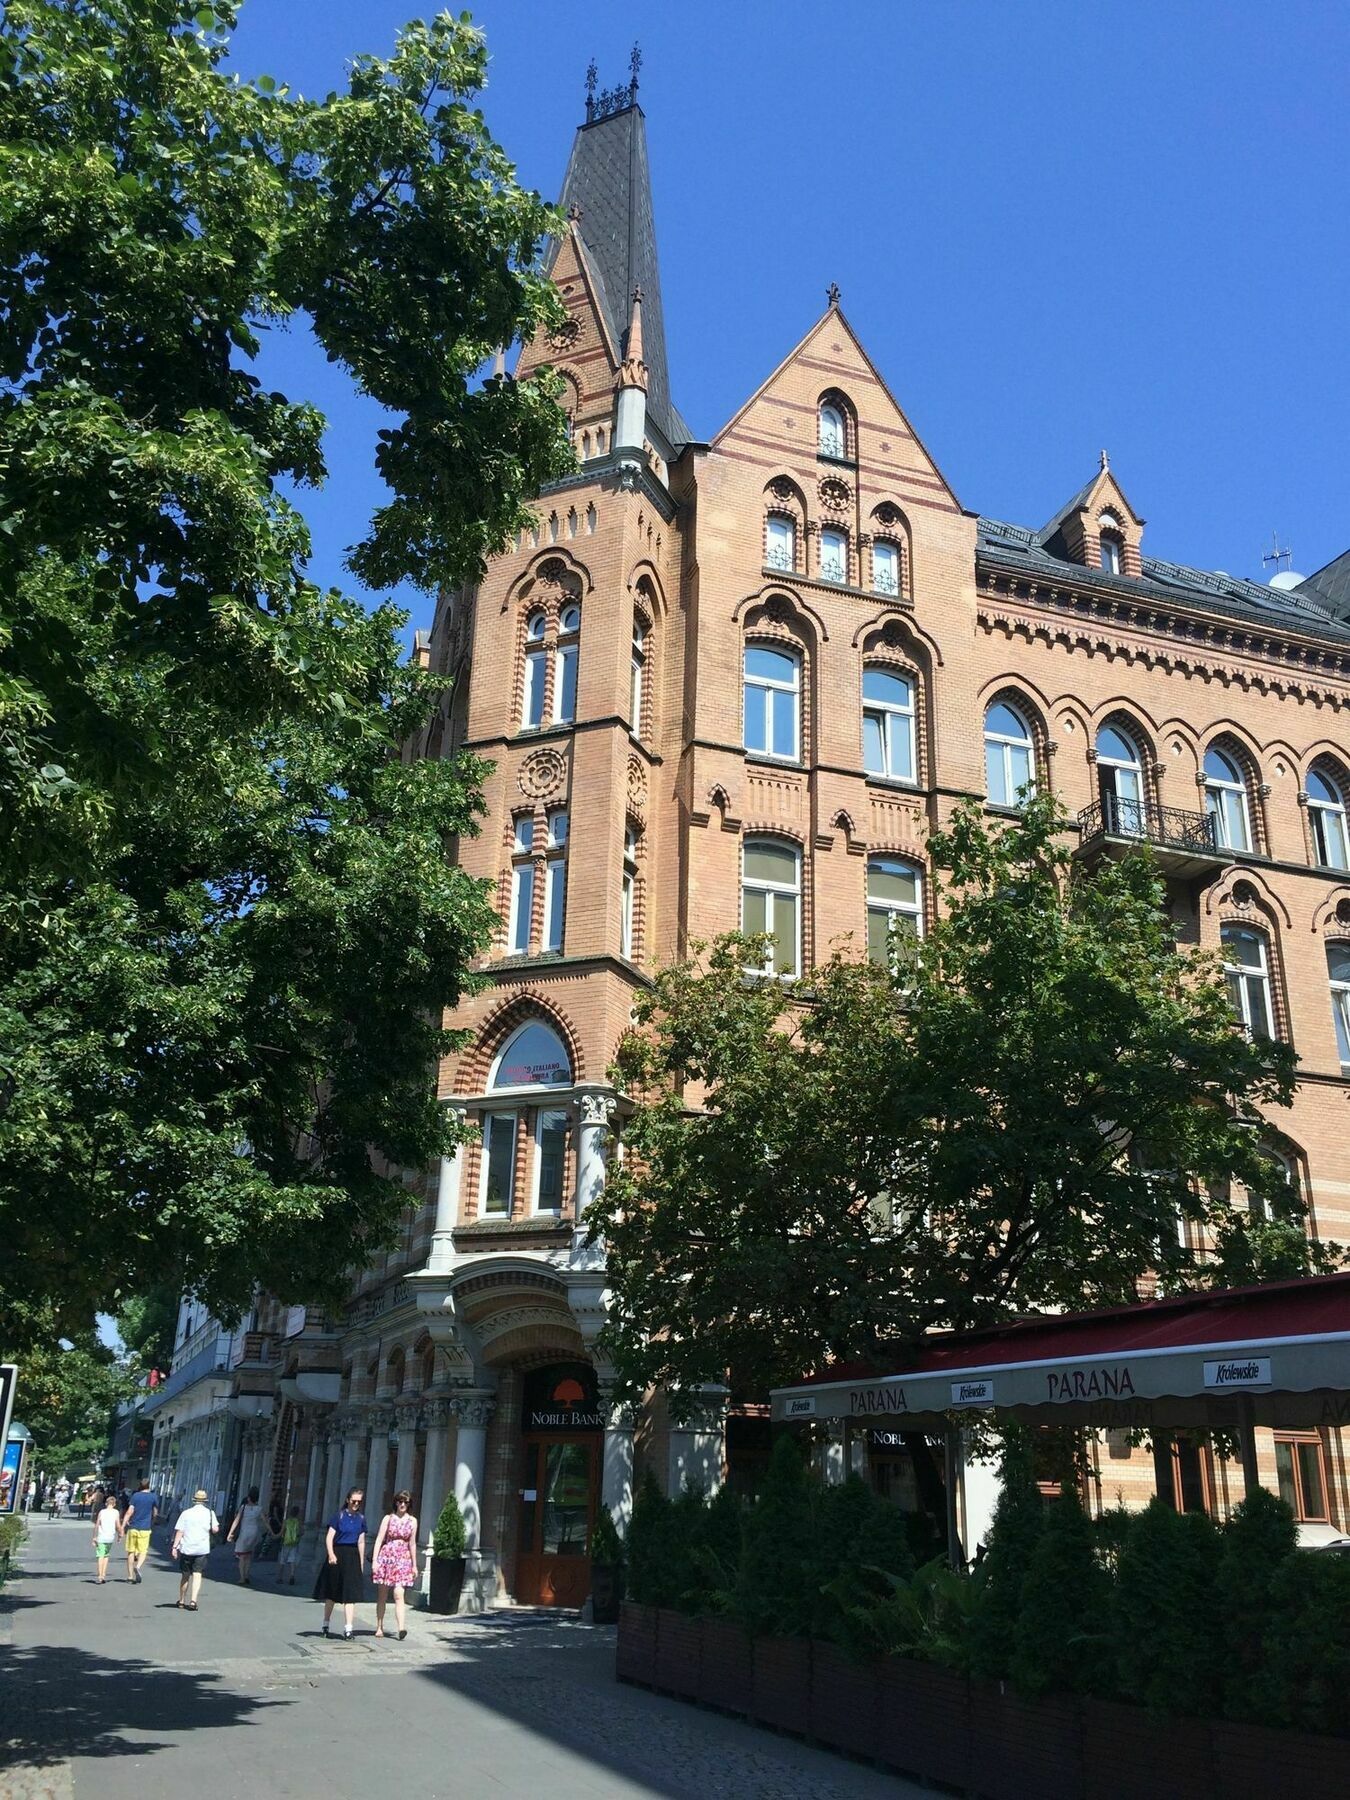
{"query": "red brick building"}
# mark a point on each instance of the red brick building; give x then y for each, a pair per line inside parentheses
(740, 680)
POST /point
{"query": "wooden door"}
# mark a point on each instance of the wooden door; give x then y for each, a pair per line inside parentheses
(557, 1511)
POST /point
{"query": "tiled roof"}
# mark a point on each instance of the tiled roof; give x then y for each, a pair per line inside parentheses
(608, 178)
(1299, 609)
(1331, 586)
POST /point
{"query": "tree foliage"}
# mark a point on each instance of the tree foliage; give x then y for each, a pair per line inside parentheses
(228, 925)
(1016, 1114)
(67, 1393)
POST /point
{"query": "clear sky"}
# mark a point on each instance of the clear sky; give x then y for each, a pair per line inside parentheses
(1057, 227)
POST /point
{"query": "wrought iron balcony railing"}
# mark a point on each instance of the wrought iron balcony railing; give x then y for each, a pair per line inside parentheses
(1164, 827)
(776, 558)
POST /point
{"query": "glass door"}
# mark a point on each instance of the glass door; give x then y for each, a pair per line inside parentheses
(557, 1511)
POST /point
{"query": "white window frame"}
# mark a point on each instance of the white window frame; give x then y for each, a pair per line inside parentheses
(772, 892)
(894, 718)
(1331, 842)
(489, 1119)
(567, 653)
(522, 887)
(832, 431)
(884, 581)
(1120, 824)
(1004, 744)
(780, 542)
(628, 893)
(555, 882)
(637, 677)
(895, 909)
(834, 538)
(537, 1180)
(1226, 801)
(1340, 1004)
(1242, 978)
(1112, 552)
(535, 690)
(770, 686)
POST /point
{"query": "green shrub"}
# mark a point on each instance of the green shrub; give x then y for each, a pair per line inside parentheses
(661, 1569)
(12, 1533)
(606, 1544)
(715, 1550)
(1306, 1677)
(1169, 1632)
(1019, 1519)
(1258, 1540)
(448, 1539)
(778, 1553)
(862, 1605)
(1061, 1639)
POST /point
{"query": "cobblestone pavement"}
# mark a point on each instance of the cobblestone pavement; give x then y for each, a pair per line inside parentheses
(112, 1692)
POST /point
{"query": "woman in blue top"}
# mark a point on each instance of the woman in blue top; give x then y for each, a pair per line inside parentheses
(341, 1574)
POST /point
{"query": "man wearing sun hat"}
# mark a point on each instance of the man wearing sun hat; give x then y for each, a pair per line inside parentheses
(192, 1546)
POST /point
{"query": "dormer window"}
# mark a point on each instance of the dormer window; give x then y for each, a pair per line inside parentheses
(832, 441)
(1113, 560)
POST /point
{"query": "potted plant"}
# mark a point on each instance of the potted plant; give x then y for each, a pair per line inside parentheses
(447, 1559)
(606, 1570)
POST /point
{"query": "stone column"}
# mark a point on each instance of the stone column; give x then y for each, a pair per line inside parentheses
(332, 1471)
(474, 1411)
(351, 1456)
(309, 1504)
(616, 1461)
(696, 1442)
(378, 1420)
(434, 1473)
(441, 1257)
(407, 1415)
(595, 1108)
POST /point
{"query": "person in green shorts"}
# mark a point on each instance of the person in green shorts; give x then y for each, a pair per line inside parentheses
(107, 1530)
(289, 1556)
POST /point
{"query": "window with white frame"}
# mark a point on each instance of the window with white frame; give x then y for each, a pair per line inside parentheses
(1113, 559)
(1246, 968)
(1226, 800)
(834, 556)
(1283, 1178)
(888, 725)
(1327, 817)
(536, 672)
(499, 1164)
(522, 887)
(1338, 974)
(885, 567)
(628, 894)
(550, 1160)
(565, 665)
(533, 1057)
(772, 701)
(833, 441)
(1120, 782)
(771, 887)
(780, 542)
(555, 881)
(637, 677)
(894, 904)
(1009, 756)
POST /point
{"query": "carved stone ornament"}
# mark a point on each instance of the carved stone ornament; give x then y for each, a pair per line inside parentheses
(565, 337)
(778, 611)
(835, 494)
(436, 1413)
(474, 1410)
(783, 490)
(553, 570)
(595, 1109)
(542, 773)
(408, 1415)
(886, 514)
(637, 780)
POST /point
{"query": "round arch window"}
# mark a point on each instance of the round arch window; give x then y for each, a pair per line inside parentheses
(534, 1057)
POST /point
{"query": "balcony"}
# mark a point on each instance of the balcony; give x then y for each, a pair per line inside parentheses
(1184, 845)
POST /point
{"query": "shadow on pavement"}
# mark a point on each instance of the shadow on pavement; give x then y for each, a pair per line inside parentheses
(62, 1703)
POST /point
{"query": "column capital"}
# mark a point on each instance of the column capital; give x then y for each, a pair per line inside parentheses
(376, 1419)
(408, 1413)
(595, 1106)
(474, 1410)
(436, 1413)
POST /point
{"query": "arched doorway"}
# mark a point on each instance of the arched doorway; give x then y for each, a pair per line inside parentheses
(562, 1433)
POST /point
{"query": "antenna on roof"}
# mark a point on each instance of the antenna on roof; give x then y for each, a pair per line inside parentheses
(1277, 555)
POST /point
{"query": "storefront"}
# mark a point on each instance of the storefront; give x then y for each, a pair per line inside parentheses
(562, 1435)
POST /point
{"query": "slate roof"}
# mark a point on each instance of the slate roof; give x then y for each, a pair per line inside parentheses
(608, 178)
(1303, 609)
(1331, 586)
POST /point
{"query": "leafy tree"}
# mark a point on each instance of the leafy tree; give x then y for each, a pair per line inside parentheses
(1258, 1539)
(1019, 1520)
(146, 1324)
(67, 1394)
(1305, 1671)
(1170, 1631)
(1013, 1115)
(229, 931)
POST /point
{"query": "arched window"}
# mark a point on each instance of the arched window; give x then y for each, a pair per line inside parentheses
(894, 903)
(637, 676)
(1283, 1177)
(888, 725)
(1327, 818)
(885, 568)
(834, 556)
(628, 892)
(534, 1056)
(536, 672)
(772, 702)
(1009, 756)
(1338, 975)
(565, 665)
(1226, 801)
(833, 441)
(780, 542)
(1120, 783)
(521, 922)
(1246, 967)
(771, 889)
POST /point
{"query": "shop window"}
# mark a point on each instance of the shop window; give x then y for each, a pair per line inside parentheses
(1301, 1470)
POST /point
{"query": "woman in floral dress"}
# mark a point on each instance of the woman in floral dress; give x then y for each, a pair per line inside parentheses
(395, 1564)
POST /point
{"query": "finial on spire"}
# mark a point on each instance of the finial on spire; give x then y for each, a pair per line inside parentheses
(1106, 462)
(832, 293)
(574, 213)
(633, 370)
(592, 78)
(634, 64)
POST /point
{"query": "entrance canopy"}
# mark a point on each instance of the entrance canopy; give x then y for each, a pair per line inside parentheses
(1278, 1354)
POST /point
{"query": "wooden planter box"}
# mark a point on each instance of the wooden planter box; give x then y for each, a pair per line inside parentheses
(845, 1712)
(677, 1654)
(1024, 1749)
(1126, 1754)
(1261, 1762)
(781, 1691)
(726, 1660)
(636, 1656)
(923, 1720)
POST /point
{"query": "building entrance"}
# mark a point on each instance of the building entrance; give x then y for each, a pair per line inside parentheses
(562, 1427)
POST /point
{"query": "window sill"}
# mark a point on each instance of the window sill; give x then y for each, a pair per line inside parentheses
(837, 462)
(897, 783)
(554, 728)
(767, 760)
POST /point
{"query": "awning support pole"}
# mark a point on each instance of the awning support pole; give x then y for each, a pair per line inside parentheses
(1251, 1475)
(951, 1470)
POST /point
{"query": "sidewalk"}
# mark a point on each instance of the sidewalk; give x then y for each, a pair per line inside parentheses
(113, 1693)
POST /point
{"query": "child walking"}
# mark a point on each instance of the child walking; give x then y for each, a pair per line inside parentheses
(288, 1558)
(107, 1530)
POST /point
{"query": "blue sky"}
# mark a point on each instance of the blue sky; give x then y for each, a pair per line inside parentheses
(1057, 228)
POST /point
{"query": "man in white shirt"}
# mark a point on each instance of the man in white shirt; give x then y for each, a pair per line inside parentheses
(192, 1546)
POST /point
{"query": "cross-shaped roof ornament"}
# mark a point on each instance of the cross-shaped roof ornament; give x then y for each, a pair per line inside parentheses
(832, 293)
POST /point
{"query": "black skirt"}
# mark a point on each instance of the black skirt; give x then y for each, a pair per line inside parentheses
(341, 1581)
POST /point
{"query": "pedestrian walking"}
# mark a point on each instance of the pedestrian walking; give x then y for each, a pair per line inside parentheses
(288, 1557)
(394, 1564)
(191, 1548)
(142, 1510)
(342, 1572)
(62, 1497)
(107, 1530)
(244, 1534)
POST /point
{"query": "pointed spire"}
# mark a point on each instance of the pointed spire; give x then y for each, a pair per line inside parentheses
(633, 370)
